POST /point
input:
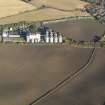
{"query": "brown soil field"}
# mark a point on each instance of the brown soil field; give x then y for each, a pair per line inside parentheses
(13, 7)
(88, 88)
(26, 72)
(79, 29)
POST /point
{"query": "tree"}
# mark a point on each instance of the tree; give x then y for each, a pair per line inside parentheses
(26, 0)
(96, 38)
(33, 28)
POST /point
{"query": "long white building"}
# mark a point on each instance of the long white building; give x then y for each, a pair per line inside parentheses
(8, 33)
(34, 38)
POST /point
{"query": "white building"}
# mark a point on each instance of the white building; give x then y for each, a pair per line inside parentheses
(8, 33)
(34, 38)
(51, 39)
(5, 33)
(47, 39)
(55, 38)
(60, 39)
(14, 36)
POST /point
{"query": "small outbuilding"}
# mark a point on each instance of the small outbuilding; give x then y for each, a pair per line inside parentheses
(60, 39)
(9, 33)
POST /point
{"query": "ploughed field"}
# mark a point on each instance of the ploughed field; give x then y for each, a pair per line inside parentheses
(26, 72)
(88, 88)
(83, 29)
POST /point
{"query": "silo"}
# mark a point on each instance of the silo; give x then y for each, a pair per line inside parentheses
(55, 38)
(47, 33)
(60, 38)
(28, 39)
(33, 40)
(51, 37)
(47, 39)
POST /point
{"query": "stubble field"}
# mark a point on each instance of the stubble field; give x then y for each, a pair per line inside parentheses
(61, 4)
(13, 7)
(13, 11)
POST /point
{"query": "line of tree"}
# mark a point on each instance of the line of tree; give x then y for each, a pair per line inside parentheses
(93, 1)
(32, 26)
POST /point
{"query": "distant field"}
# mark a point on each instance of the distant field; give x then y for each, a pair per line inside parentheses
(40, 15)
(62, 4)
(12, 7)
(18, 7)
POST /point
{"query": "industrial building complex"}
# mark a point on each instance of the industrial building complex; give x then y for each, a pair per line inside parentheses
(43, 35)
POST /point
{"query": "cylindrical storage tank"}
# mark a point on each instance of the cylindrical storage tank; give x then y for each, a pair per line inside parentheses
(5, 34)
(60, 38)
(51, 39)
(47, 39)
(28, 39)
(33, 40)
(51, 33)
(55, 38)
(47, 33)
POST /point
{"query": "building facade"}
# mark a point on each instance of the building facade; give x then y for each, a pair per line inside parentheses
(33, 38)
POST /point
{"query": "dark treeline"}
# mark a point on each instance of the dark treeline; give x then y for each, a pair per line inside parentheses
(94, 1)
(31, 26)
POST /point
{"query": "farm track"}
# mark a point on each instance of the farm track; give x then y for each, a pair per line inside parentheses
(59, 9)
(66, 79)
(63, 10)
